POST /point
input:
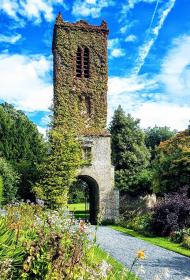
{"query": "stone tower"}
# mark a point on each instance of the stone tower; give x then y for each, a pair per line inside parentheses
(80, 88)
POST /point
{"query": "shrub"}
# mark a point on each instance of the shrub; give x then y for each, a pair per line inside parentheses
(172, 213)
(177, 236)
(46, 244)
(186, 242)
(10, 181)
(1, 190)
(141, 224)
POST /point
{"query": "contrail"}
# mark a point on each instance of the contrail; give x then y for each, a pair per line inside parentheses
(153, 16)
(146, 47)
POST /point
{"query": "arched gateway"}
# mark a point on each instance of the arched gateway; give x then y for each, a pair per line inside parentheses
(80, 90)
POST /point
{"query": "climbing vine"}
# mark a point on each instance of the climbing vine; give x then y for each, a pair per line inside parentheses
(71, 92)
(72, 119)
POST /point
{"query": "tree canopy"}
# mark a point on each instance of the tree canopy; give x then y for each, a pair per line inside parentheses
(172, 164)
(22, 145)
(130, 156)
(8, 182)
(155, 135)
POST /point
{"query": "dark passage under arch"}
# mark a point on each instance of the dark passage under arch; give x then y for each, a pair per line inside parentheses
(92, 197)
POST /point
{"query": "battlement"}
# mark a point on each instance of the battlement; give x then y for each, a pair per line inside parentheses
(82, 25)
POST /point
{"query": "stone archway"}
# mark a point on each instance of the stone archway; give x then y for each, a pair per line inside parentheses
(93, 190)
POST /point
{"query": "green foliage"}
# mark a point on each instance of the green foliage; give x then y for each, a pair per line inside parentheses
(1, 190)
(129, 153)
(60, 168)
(11, 254)
(10, 180)
(172, 164)
(179, 236)
(139, 223)
(155, 135)
(77, 192)
(22, 145)
(80, 101)
(186, 242)
(36, 243)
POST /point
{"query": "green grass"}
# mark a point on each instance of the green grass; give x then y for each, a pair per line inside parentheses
(118, 269)
(159, 241)
(79, 210)
(77, 207)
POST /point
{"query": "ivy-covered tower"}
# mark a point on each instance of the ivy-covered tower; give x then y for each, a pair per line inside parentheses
(80, 100)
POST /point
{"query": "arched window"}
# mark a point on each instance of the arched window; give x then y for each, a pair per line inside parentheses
(79, 63)
(83, 62)
(86, 63)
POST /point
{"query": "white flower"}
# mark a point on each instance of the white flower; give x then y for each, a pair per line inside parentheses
(186, 278)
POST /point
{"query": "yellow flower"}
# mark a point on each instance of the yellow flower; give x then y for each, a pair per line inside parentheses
(141, 254)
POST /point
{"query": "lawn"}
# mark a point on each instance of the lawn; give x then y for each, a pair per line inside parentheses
(79, 210)
(159, 241)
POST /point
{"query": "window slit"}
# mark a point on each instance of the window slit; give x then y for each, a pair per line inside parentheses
(79, 63)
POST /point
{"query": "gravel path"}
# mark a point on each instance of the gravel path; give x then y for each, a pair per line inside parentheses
(158, 262)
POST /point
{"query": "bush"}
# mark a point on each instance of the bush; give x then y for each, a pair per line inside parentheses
(171, 213)
(141, 224)
(186, 242)
(10, 181)
(177, 236)
(46, 244)
(1, 191)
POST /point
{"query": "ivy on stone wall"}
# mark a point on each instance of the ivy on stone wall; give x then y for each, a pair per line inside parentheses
(72, 119)
(71, 92)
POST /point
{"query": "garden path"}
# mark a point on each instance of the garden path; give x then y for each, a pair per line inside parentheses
(159, 263)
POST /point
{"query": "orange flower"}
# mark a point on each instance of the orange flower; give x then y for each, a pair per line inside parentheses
(141, 254)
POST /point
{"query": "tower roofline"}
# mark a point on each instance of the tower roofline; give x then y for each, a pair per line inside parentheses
(81, 24)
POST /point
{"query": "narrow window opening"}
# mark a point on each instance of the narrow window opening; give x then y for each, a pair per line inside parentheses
(86, 63)
(87, 153)
(88, 105)
(79, 63)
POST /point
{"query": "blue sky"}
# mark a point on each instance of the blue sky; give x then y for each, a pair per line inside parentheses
(148, 55)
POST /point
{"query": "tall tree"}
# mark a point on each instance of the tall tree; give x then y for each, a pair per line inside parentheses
(63, 161)
(22, 145)
(155, 135)
(172, 164)
(8, 182)
(59, 169)
(130, 156)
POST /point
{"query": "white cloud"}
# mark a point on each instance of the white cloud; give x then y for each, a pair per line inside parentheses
(153, 34)
(9, 7)
(30, 9)
(114, 48)
(132, 94)
(162, 99)
(175, 71)
(23, 81)
(10, 39)
(163, 114)
(131, 38)
(90, 8)
(128, 92)
(117, 52)
(42, 130)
